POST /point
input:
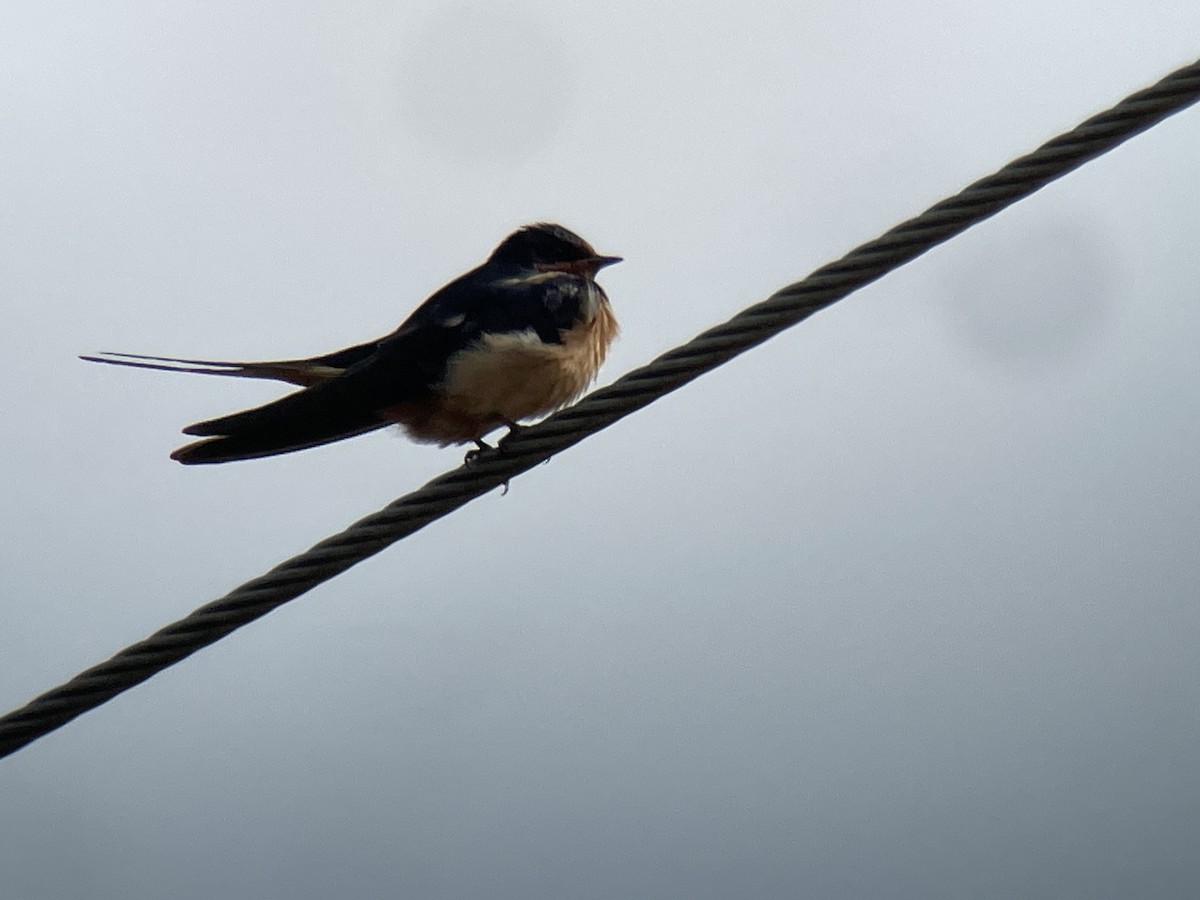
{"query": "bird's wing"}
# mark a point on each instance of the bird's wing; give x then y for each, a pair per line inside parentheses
(353, 402)
(401, 368)
(404, 367)
(502, 299)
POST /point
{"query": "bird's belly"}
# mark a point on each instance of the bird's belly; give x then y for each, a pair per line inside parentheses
(513, 376)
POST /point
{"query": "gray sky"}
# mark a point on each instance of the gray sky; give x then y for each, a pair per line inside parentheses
(901, 604)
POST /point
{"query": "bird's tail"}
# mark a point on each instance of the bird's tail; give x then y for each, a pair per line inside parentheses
(304, 372)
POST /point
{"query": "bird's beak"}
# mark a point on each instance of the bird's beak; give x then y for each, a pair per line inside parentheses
(601, 261)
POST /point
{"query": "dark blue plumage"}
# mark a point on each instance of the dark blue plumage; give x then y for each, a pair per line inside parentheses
(514, 338)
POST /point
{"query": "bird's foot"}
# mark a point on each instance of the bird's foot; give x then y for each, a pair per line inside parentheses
(513, 430)
(472, 455)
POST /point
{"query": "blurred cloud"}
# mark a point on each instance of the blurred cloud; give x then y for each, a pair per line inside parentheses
(1038, 293)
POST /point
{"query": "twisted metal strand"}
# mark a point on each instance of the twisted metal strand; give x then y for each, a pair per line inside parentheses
(600, 409)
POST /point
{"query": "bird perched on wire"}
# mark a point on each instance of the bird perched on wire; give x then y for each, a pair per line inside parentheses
(518, 337)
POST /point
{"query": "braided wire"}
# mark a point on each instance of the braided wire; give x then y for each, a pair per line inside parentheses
(600, 409)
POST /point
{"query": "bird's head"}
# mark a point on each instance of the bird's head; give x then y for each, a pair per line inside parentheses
(551, 248)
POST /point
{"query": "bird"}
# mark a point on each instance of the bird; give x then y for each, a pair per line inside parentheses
(518, 337)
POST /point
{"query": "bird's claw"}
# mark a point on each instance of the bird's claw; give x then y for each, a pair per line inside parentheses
(482, 447)
(473, 455)
(513, 430)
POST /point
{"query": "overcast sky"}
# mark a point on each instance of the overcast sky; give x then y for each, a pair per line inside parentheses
(902, 604)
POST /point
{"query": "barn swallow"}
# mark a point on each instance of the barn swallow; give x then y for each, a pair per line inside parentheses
(518, 337)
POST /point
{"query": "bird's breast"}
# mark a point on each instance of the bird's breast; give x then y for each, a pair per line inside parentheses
(510, 376)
